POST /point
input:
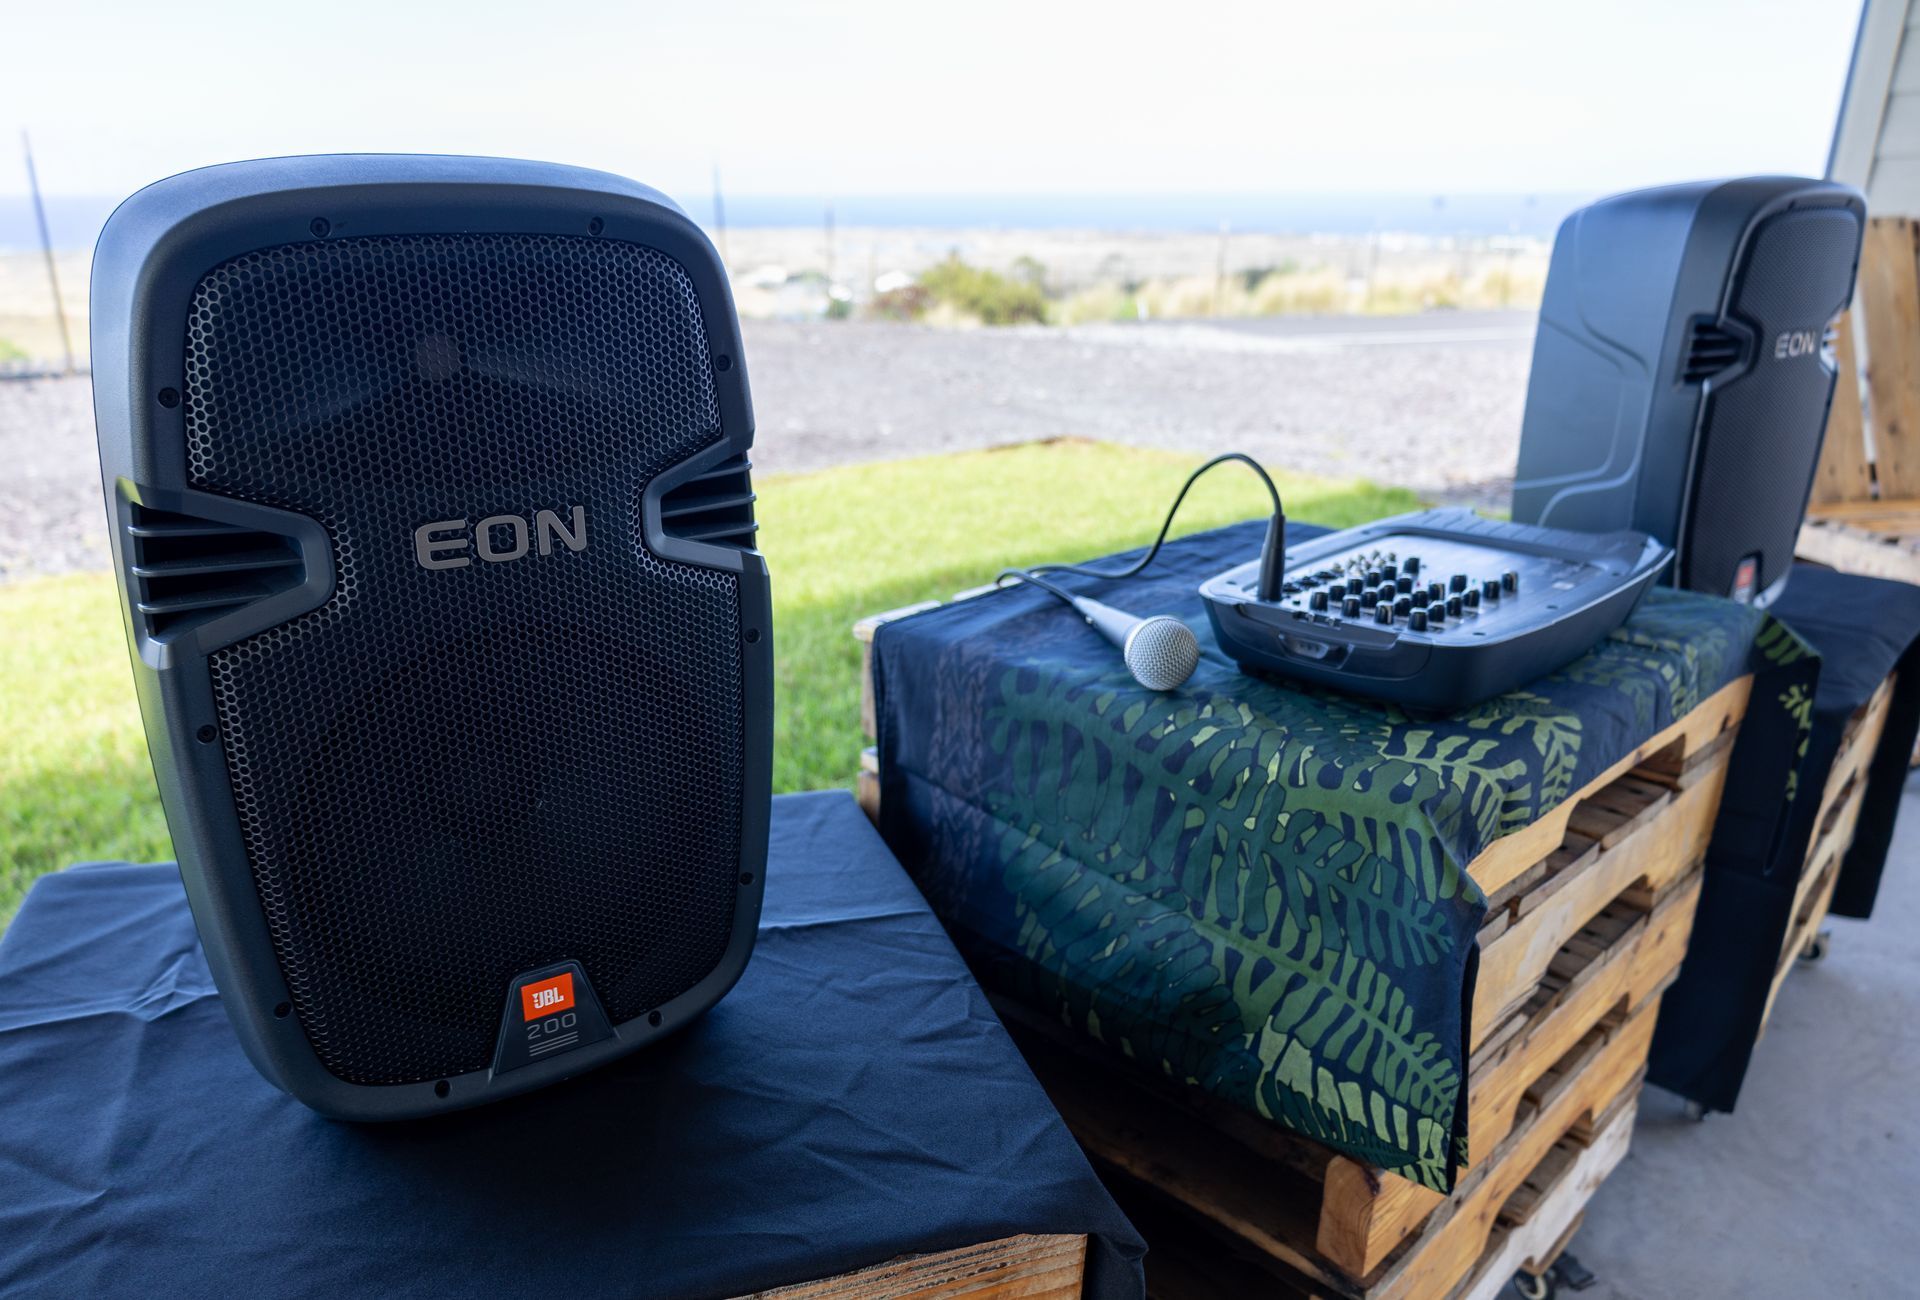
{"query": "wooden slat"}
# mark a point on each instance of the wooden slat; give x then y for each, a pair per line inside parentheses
(866, 783)
(1843, 473)
(1553, 1213)
(1892, 512)
(863, 633)
(1510, 857)
(1449, 1248)
(1889, 298)
(1031, 1267)
(1666, 850)
(1839, 545)
(1366, 1214)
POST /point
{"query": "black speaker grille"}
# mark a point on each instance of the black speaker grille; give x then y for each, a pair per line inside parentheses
(1761, 432)
(448, 777)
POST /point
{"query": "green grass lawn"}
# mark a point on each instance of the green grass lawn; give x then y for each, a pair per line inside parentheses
(74, 777)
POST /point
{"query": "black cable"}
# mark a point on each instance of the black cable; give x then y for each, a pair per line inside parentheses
(1033, 575)
(1038, 581)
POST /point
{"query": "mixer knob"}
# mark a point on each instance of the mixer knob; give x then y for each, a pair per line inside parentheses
(1373, 577)
(1472, 598)
(1454, 606)
(1388, 572)
(1383, 613)
(1403, 583)
(1317, 601)
(1435, 590)
(1422, 598)
(1417, 621)
(1388, 591)
(1491, 589)
(1511, 581)
(1412, 565)
(1403, 606)
(1458, 582)
(1369, 598)
(1350, 607)
(1436, 615)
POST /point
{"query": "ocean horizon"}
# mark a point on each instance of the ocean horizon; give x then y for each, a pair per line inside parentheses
(75, 220)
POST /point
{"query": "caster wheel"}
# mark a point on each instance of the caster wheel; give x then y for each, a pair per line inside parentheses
(1817, 947)
(1533, 1286)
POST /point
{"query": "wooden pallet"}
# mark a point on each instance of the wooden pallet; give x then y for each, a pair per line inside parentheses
(1590, 910)
(1612, 918)
(1864, 516)
(1840, 803)
(1027, 1267)
(1256, 1203)
(1529, 1233)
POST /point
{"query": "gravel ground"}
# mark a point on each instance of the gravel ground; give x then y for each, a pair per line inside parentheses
(1431, 402)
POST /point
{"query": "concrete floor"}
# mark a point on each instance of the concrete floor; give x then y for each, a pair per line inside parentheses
(1811, 1187)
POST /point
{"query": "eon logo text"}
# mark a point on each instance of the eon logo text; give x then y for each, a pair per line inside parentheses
(445, 543)
(1796, 343)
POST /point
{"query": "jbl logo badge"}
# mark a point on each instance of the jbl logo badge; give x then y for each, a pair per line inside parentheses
(547, 997)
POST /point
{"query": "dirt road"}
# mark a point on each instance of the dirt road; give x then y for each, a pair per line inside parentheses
(1432, 402)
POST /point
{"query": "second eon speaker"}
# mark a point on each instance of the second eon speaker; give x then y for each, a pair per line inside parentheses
(1682, 371)
(429, 495)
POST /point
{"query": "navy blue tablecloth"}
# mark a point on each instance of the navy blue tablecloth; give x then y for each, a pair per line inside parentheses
(1710, 1020)
(852, 1100)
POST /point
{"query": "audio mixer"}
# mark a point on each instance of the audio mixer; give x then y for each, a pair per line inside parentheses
(1437, 610)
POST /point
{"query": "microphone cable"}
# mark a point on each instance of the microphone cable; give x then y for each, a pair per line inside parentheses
(1271, 551)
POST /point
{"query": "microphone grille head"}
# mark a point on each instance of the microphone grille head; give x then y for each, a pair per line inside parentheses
(1161, 652)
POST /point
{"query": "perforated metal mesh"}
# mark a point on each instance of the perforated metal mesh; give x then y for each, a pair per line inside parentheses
(1763, 430)
(449, 777)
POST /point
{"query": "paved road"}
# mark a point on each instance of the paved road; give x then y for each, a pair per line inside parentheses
(1807, 1189)
(1432, 402)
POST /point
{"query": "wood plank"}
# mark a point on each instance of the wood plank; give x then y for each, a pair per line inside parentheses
(1511, 856)
(1365, 1213)
(866, 784)
(1843, 473)
(1889, 297)
(1555, 1213)
(1234, 1190)
(1851, 550)
(863, 633)
(1029, 1267)
(1658, 856)
(1853, 510)
(1449, 1248)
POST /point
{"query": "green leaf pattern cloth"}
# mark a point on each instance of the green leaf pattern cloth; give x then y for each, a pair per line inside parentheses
(1250, 885)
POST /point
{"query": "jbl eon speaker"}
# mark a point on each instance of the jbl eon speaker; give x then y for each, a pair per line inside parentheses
(1683, 369)
(428, 486)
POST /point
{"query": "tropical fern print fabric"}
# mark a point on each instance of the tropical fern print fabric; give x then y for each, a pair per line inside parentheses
(1250, 885)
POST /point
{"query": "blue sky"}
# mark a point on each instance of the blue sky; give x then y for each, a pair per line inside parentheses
(904, 98)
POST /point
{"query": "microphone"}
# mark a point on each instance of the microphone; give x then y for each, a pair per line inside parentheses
(1161, 651)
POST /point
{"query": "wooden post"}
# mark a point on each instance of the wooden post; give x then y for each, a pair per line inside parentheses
(1843, 474)
(1890, 303)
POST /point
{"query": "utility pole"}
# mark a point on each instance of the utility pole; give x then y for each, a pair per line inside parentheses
(1220, 272)
(829, 246)
(719, 216)
(46, 249)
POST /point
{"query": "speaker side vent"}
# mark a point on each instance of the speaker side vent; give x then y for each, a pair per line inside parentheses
(716, 507)
(1710, 349)
(190, 570)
